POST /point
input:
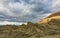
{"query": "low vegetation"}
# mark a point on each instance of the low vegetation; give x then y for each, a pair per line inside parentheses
(31, 30)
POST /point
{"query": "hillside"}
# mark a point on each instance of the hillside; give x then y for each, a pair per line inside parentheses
(54, 16)
(47, 28)
(30, 30)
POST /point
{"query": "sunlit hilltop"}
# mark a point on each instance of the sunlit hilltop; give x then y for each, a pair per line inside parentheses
(55, 15)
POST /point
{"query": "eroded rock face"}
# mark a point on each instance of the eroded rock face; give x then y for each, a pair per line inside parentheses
(49, 18)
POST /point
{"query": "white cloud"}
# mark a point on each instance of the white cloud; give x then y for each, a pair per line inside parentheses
(56, 3)
(10, 23)
(6, 11)
(20, 9)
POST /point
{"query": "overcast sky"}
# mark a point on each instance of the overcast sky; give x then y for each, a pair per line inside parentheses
(22, 11)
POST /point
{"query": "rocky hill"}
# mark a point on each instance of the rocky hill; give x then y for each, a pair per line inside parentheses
(47, 28)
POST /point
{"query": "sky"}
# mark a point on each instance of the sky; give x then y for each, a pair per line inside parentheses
(22, 11)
